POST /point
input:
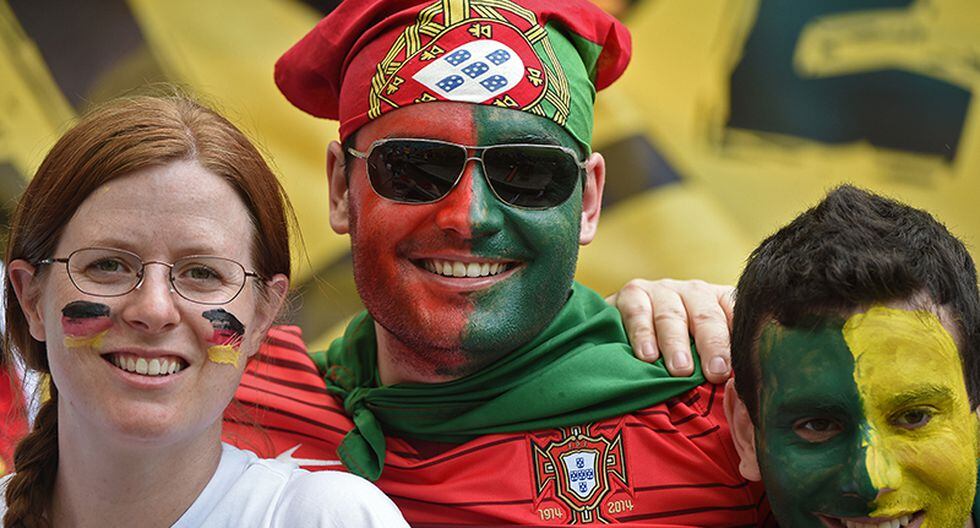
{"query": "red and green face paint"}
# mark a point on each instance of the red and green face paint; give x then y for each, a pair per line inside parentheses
(85, 324)
(226, 341)
(866, 420)
(454, 325)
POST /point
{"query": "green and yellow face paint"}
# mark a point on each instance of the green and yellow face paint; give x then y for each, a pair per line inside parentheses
(866, 422)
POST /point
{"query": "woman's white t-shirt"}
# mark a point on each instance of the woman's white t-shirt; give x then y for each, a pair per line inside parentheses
(248, 491)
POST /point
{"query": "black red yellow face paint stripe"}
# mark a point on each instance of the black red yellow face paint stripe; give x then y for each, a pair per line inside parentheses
(226, 340)
(85, 324)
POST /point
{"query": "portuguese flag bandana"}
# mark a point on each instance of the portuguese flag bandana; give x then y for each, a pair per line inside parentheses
(368, 57)
(578, 370)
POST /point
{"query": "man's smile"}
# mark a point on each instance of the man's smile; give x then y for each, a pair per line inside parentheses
(470, 269)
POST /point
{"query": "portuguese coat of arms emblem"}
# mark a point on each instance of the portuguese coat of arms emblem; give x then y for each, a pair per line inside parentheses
(474, 51)
(580, 470)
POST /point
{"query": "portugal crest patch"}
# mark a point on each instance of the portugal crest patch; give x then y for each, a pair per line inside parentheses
(580, 470)
(474, 51)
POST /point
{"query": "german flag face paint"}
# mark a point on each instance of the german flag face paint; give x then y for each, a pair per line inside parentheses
(866, 421)
(85, 324)
(468, 278)
(226, 341)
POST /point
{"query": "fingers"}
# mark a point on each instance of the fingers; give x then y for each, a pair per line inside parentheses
(670, 320)
(660, 316)
(635, 306)
(709, 323)
(726, 299)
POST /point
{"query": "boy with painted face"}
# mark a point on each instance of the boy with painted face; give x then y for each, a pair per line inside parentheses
(855, 354)
(482, 385)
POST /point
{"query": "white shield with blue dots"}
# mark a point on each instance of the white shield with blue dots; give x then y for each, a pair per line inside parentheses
(474, 72)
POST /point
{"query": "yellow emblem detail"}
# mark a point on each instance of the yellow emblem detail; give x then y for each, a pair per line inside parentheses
(534, 76)
(506, 101)
(432, 53)
(481, 30)
(426, 97)
(395, 83)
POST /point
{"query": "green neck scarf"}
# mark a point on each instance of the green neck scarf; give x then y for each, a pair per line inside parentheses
(580, 369)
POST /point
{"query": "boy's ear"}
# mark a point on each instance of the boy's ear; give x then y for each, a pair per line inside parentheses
(743, 433)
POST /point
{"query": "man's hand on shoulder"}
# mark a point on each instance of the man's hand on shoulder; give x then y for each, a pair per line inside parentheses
(660, 316)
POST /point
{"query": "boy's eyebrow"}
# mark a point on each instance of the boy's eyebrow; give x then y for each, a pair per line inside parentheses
(809, 406)
(919, 394)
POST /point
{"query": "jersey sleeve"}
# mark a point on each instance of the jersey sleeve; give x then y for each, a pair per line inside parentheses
(13, 413)
(282, 406)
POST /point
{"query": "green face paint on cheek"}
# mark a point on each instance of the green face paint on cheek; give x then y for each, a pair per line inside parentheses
(920, 433)
(544, 242)
(808, 439)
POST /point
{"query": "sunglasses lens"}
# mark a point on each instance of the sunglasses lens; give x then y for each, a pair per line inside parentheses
(414, 171)
(531, 177)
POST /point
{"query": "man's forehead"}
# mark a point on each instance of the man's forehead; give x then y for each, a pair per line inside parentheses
(467, 124)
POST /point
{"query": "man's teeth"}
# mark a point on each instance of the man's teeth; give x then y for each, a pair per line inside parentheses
(449, 268)
(153, 367)
(894, 523)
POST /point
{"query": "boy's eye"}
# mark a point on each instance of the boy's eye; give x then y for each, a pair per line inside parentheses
(912, 418)
(817, 430)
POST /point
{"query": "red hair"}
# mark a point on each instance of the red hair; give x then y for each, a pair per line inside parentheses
(122, 137)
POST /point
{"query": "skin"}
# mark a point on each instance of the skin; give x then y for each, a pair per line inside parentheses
(431, 328)
(660, 316)
(226, 341)
(85, 324)
(865, 419)
(132, 453)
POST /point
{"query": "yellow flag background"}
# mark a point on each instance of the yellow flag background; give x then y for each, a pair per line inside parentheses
(734, 116)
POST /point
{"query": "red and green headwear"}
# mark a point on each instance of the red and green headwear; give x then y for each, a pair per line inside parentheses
(369, 57)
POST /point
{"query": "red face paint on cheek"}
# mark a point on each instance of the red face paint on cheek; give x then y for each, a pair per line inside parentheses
(85, 323)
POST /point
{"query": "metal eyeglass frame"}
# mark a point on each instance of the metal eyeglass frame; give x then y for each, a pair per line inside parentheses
(479, 158)
(141, 275)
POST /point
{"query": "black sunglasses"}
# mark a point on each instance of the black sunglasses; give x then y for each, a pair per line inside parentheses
(421, 171)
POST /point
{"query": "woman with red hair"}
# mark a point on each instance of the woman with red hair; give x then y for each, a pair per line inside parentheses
(147, 259)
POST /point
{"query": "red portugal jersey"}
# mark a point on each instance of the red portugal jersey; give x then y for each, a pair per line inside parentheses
(13, 416)
(672, 464)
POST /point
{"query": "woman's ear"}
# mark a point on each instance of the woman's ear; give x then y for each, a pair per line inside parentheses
(270, 305)
(21, 275)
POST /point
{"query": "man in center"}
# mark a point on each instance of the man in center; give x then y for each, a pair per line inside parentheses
(482, 385)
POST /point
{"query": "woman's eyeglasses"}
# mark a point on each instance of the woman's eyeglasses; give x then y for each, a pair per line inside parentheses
(420, 171)
(108, 272)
